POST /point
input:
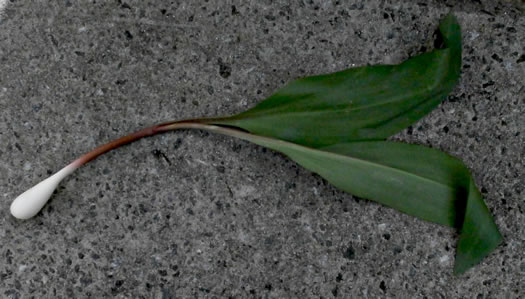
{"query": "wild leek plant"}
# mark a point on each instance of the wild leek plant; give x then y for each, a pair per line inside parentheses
(336, 124)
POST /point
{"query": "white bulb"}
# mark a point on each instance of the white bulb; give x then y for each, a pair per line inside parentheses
(29, 203)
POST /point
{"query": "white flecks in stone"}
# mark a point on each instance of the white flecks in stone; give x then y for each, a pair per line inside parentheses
(508, 65)
(470, 114)
(248, 70)
(382, 226)
(22, 268)
(245, 190)
(444, 259)
(473, 35)
(197, 192)
(115, 264)
(201, 162)
(3, 4)
(27, 166)
(243, 236)
(153, 171)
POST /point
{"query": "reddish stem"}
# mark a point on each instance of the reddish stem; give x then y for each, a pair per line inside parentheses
(150, 131)
(203, 124)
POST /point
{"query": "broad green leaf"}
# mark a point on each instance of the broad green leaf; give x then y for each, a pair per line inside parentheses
(416, 180)
(364, 103)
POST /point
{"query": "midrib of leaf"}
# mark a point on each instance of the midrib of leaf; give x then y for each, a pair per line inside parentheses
(382, 166)
(321, 112)
(425, 100)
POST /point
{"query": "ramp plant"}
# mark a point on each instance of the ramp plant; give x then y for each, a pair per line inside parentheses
(336, 125)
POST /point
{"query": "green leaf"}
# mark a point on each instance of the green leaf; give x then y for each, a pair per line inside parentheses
(364, 103)
(414, 179)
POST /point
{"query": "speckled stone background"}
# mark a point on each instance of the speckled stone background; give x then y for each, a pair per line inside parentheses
(194, 215)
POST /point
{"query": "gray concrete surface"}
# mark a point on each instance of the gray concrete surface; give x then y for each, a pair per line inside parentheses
(194, 215)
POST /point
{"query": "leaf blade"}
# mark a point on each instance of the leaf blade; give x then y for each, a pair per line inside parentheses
(364, 103)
